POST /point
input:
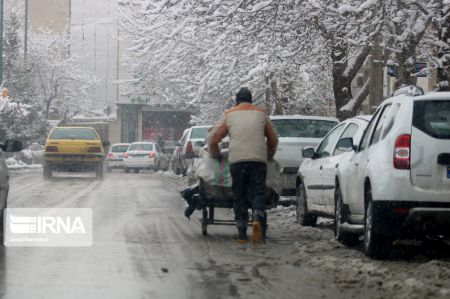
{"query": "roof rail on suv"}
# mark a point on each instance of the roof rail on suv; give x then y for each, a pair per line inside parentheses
(409, 90)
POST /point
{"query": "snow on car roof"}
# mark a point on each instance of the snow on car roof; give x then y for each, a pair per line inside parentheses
(298, 116)
(203, 126)
(442, 95)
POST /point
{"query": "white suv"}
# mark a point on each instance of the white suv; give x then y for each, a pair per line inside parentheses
(397, 182)
(296, 132)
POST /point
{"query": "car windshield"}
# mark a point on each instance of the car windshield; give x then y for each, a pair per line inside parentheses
(74, 134)
(305, 128)
(141, 147)
(199, 133)
(119, 148)
(433, 118)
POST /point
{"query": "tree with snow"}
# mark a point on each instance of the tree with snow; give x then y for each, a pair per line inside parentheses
(61, 86)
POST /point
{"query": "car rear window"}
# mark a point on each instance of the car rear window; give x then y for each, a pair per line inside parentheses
(141, 147)
(306, 128)
(433, 118)
(199, 133)
(73, 134)
(119, 148)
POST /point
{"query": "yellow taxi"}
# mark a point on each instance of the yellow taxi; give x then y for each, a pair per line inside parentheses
(74, 149)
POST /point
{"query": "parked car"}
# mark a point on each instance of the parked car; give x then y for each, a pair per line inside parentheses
(114, 158)
(8, 146)
(188, 148)
(316, 176)
(74, 149)
(144, 155)
(396, 183)
(296, 132)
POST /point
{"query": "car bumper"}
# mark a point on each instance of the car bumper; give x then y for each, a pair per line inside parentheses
(115, 163)
(406, 218)
(62, 159)
(288, 187)
(136, 163)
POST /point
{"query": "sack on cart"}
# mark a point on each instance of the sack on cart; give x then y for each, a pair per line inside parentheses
(215, 180)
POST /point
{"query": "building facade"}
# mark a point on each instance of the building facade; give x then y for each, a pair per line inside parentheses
(51, 14)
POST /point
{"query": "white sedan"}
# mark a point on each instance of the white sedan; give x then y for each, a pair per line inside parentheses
(316, 177)
(145, 155)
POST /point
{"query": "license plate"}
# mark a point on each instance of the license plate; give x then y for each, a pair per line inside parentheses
(73, 159)
(448, 172)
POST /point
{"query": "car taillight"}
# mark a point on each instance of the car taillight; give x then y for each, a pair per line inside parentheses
(189, 148)
(110, 155)
(51, 149)
(125, 155)
(151, 155)
(95, 149)
(402, 152)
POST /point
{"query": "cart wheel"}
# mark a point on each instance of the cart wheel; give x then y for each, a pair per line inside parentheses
(205, 222)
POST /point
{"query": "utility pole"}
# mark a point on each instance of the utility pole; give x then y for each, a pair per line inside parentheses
(376, 77)
(1, 42)
(25, 48)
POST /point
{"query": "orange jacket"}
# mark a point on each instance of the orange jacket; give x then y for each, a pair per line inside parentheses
(252, 137)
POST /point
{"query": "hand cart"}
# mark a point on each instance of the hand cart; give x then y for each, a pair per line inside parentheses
(209, 203)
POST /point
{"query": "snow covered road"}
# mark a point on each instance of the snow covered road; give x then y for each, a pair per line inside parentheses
(145, 248)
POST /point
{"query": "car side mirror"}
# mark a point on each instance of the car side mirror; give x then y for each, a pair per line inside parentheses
(345, 145)
(106, 143)
(308, 152)
(12, 146)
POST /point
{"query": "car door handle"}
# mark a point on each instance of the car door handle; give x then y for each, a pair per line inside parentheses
(356, 164)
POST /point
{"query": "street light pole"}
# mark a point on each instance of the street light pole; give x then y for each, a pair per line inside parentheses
(25, 50)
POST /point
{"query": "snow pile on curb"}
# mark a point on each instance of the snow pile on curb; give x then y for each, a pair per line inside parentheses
(15, 164)
(408, 274)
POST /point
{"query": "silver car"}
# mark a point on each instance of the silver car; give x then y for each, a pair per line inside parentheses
(296, 132)
(8, 146)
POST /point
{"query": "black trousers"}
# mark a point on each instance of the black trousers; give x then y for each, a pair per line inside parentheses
(249, 188)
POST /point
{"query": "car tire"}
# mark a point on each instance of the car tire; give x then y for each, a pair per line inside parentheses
(127, 170)
(136, 170)
(341, 216)
(48, 172)
(304, 218)
(99, 172)
(376, 245)
(157, 166)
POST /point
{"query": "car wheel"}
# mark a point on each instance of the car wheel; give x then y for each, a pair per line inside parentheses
(376, 245)
(303, 216)
(136, 170)
(340, 216)
(48, 173)
(157, 166)
(99, 172)
(127, 170)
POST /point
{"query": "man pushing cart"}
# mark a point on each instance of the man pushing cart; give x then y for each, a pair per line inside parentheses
(253, 142)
